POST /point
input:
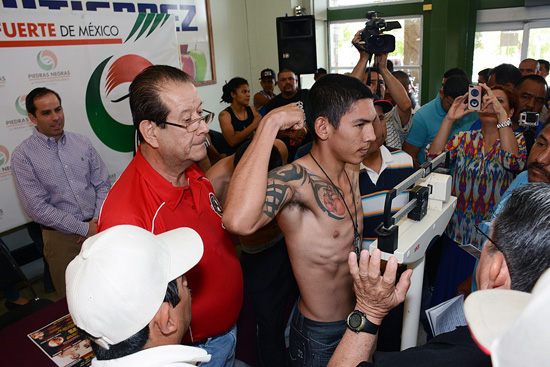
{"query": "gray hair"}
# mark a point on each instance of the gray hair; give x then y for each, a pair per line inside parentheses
(522, 234)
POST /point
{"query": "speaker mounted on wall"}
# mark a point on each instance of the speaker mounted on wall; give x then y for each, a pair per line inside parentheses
(296, 44)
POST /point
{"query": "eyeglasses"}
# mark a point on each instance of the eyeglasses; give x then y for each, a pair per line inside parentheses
(194, 124)
(486, 227)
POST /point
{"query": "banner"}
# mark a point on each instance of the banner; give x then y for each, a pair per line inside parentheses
(192, 19)
(89, 58)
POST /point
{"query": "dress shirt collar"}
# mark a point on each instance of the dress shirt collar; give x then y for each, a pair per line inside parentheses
(386, 159)
(48, 141)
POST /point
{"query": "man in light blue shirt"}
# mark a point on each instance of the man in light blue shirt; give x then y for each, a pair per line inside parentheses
(427, 120)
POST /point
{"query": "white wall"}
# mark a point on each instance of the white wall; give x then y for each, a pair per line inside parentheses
(230, 34)
(245, 42)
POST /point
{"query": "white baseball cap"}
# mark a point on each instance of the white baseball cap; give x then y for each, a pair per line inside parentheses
(512, 326)
(117, 283)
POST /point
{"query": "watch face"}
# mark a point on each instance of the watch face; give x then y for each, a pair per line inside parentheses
(355, 320)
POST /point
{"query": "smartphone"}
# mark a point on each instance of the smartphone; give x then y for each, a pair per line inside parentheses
(474, 97)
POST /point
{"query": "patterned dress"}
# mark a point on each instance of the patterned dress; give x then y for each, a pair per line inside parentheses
(479, 180)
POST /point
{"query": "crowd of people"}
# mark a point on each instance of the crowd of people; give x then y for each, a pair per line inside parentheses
(301, 191)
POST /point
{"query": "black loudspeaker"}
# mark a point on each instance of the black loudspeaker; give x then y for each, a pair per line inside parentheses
(296, 44)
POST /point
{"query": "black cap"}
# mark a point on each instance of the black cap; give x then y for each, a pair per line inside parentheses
(267, 73)
(320, 71)
(386, 105)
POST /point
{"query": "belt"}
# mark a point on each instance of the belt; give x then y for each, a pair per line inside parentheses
(200, 342)
(46, 228)
(203, 341)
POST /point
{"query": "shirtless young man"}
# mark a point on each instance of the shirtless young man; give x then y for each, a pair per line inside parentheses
(319, 218)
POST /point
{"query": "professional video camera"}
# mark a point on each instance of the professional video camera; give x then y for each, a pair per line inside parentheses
(372, 37)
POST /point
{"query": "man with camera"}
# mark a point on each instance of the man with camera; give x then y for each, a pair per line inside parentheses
(531, 91)
(379, 78)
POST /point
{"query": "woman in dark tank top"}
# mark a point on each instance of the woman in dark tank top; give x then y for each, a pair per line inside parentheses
(238, 121)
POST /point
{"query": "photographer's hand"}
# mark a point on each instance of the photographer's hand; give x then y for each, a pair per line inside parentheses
(456, 112)
(364, 57)
(397, 90)
(359, 46)
(491, 104)
(381, 61)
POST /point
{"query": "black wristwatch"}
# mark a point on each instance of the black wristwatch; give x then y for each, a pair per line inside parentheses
(357, 321)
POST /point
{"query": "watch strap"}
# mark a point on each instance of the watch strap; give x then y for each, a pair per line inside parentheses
(366, 326)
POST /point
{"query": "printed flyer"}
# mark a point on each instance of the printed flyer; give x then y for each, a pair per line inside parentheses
(64, 343)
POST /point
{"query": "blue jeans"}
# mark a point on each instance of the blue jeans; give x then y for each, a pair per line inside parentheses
(221, 348)
(312, 343)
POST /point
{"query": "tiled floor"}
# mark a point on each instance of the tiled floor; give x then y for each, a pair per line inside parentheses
(38, 286)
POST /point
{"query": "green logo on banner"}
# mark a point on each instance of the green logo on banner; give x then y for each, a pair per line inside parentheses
(46, 60)
(145, 21)
(4, 155)
(20, 105)
(115, 135)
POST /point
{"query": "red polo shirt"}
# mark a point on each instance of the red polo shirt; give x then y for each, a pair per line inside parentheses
(142, 197)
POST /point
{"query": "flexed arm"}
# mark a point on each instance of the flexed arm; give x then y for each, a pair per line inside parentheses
(253, 198)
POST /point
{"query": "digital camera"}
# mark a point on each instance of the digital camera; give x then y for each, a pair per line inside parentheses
(529, 119)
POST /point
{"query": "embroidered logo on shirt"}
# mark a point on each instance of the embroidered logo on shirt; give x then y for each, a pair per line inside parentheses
(215, 204)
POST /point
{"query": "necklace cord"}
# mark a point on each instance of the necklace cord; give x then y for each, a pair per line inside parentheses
(356, 223)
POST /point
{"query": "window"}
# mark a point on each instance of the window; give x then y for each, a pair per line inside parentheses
(336, 3)
(539, 42)
(493, 48)
(500, 38)
(408, 46)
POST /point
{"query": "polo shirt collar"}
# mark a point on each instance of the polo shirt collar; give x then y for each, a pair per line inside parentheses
(171, 195)
(439, 107)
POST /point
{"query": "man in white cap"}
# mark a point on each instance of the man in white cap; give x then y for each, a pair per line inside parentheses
(127, 290)
(512, 326)
(514, 257)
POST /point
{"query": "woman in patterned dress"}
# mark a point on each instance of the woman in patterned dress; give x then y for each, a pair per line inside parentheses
(485, 162)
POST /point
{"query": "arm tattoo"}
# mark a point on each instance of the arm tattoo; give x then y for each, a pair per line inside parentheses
(277, 192)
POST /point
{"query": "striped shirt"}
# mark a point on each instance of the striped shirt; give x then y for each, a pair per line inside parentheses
(396, 167)
(60, 184)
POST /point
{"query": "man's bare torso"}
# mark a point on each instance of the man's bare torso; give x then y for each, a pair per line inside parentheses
(319, 234)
